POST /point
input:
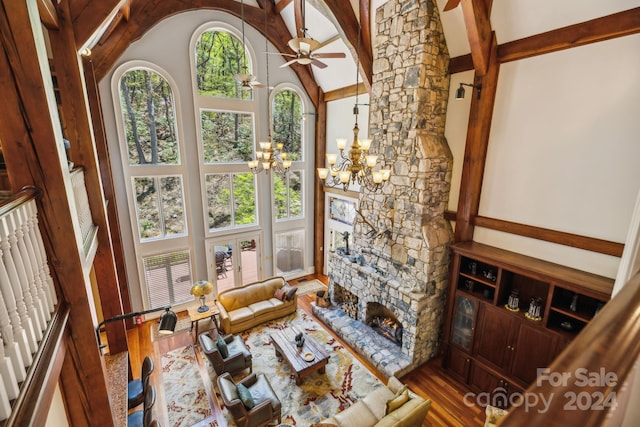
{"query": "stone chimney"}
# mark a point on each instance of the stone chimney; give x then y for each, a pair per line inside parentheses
(406, 254)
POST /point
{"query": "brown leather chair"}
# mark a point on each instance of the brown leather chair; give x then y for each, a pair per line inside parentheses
(237, 357)
(136, 389)
(264, 406)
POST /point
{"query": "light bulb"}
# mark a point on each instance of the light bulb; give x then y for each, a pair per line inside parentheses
(286, 164)
(344, 176)
(377, 177)
(341, 143)
(386, 173)
(323, 173)
(364, 143)
(331, 158)
(371, 160)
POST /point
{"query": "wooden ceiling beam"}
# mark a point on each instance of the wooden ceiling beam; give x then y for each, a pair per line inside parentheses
(298, 14)
(596, 30)
(143, 17)
(347, 20)
(88, 16)
(48, 14)
(476, 19)
(281, 5)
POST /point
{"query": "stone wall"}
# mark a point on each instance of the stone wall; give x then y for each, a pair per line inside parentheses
(408, 106)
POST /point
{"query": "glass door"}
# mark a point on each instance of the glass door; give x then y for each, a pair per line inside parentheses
(234, 261)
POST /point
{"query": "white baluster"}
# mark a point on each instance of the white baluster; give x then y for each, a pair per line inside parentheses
(10, 346)
(16, 220)
(37, 261)
(5, 406)
(21, 275)
(8, 375)
(25, 318)
(33, 274)
(19, 334)
(44, 264)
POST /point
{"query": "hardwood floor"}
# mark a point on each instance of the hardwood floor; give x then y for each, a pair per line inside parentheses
(429, 380)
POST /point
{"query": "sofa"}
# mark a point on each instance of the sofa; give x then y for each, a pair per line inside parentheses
(250, 305)
(390, 405)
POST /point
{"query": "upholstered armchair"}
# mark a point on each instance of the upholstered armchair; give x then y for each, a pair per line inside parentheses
(251, 402)
(226, 353)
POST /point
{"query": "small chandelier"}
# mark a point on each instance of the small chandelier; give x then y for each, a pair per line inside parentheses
(270, 158)
(358, 166)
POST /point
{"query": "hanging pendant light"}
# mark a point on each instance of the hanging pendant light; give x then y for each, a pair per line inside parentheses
(246, 80)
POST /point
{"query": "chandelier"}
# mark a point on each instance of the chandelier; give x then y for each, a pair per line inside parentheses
(358, 166)
(269, 158)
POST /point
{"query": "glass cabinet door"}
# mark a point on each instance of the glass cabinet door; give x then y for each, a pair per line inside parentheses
(464, 322)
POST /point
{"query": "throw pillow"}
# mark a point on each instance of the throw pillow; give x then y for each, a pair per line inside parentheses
(400, 399)
(222, 347)
(280, 294)
(494, 415)
(290, 290)
(245, 396)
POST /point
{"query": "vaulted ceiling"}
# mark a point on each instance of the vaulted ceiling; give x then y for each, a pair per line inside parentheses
(522, 28)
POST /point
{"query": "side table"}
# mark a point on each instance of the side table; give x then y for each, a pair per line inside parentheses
(195, 316)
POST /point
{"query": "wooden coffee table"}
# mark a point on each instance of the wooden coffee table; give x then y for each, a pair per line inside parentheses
(285, 346)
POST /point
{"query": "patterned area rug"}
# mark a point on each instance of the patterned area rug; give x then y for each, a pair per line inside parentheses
(187, 401)
(183, 324)
(319, 396)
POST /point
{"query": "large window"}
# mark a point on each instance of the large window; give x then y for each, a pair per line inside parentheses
(151, 156)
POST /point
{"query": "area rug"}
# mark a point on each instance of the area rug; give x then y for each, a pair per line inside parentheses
(310, 286)
(320, 396)
(187, 401)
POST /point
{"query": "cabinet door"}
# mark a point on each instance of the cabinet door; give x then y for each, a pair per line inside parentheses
(464, 318)
(495, 337)
(457, 363)
(482, 380)
(534, 348)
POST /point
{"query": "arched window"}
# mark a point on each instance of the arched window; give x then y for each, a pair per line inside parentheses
(151, 158)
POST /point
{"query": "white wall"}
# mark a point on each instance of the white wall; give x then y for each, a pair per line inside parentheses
(563, 149)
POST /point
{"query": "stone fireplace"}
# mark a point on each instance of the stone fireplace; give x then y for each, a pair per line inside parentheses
(400, 231)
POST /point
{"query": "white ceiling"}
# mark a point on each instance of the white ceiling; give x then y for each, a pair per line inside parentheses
(511, 20)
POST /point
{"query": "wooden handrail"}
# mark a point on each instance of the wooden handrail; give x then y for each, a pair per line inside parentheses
(25, 195)
(582, 384)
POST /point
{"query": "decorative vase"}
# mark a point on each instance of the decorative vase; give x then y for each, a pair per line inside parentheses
(514, 300)
(535, 309)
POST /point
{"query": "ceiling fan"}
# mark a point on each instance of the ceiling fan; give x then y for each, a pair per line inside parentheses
(305, 51)
(305, 47)
(248, 81)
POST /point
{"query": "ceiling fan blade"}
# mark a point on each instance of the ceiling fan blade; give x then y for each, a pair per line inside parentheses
(241, 78)
(318, 63)
(258, 84)
(329, 55)
(292, 55)
(451, 4)
(286, 64)
(294, 44)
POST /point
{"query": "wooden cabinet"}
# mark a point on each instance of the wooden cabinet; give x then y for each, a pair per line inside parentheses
(491, 342)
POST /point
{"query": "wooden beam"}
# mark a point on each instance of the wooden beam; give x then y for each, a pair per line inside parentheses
(318, 193)
(48, 14)
(596, 30)
(298, 15)
(281, 5)
(145, 16)
(33, 149)
(476, 149)
(476, 19)
(345, 92)
(88, 16)
(348, 21)
(78, 130)
(567, 239)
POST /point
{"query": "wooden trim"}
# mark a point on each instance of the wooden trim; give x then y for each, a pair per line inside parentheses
(345, 92)
(610, 342)
(593, 31)
(476, 19)
(318, 193)
(36, 392)
(48, 15)
(596, 30)
(567, 239)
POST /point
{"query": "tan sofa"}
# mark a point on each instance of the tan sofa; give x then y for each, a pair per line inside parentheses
(384, 407)
(250, 305)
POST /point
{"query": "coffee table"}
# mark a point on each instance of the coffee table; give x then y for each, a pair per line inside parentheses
(285, 347)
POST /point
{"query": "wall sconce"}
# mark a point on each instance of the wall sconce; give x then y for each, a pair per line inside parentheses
(460, 90)
(168, 321)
